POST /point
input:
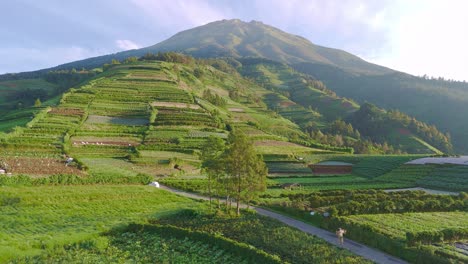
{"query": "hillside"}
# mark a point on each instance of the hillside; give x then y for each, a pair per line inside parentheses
(317, 109)
(303, 109)
(146, 117)
(435, 101)
(341, 72)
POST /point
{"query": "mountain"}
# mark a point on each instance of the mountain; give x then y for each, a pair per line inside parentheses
(152, 116)
(436, 102)
(235, 38)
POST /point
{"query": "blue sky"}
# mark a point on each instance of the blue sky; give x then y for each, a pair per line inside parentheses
(415, 36)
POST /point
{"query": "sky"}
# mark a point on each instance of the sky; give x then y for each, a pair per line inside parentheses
(414, 36)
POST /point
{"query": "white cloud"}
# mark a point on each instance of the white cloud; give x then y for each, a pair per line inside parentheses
(125, 44)
(427, 37)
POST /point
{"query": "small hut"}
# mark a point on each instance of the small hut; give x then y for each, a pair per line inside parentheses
(331, 167)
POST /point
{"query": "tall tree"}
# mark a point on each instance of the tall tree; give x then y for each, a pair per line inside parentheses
(213, 165)
(246, 170)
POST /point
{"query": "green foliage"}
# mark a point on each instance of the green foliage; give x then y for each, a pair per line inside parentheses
(431, 237)
(378, 235)
(375, 123)
(386, 90)
(50, 217)
(214, 98)
(37, 103)
(245, 169)
(266, 234)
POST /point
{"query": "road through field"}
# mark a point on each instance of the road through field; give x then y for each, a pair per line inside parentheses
(355, 247)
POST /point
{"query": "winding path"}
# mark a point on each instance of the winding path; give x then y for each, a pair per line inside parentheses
(355, 247)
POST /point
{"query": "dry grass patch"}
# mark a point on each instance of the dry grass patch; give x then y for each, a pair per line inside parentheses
(175, 105)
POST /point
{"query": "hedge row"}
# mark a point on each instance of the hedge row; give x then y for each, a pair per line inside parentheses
(251, 254)
(68, 179)
(430, 237)
(323, 146)
(371, 236)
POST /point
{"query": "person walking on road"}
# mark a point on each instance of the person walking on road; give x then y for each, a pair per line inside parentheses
(340, 234)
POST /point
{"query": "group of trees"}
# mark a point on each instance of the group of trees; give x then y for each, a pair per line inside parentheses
(214, 98)
(68, 78)
(234, 169)
(376, 124)
(350, 202)
(169, 57)
(342, 134)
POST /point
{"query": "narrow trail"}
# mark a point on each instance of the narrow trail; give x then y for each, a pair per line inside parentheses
(355, 247)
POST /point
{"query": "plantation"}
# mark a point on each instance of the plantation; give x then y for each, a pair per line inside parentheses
(396, 222)
(397, 234)
(151, 120)
(58, 215)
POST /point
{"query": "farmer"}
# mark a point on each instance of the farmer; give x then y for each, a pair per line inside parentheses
(340, 233)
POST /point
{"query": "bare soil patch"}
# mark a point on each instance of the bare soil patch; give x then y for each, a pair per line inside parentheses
(40, 166)
(175, 105)
(275, 143)
(66, 111)
(404, 131)
(287, 104)
(237, 110)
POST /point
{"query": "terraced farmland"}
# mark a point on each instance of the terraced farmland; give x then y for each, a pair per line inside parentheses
(447, 177)
(58, 215)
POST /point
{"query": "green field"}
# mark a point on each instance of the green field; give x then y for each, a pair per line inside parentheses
(52, 216)
(315, 180)
(142, 121)
(396, 225)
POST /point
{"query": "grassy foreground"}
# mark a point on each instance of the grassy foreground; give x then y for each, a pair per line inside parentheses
(143, 224)
(35, 219)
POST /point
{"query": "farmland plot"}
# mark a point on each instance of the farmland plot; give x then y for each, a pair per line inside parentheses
(39, 166)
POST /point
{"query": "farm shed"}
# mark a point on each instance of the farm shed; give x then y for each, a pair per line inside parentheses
(331, 167)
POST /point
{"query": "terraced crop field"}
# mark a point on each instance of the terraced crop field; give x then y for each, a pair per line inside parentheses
(396, 225)
(290, 168)
(52, 216)
(408, 174)
(447, 178)
(315, 180)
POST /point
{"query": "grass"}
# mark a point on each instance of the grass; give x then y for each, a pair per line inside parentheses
(139, 247)
(43, 217)
(396, 225)
(320, 180)
(290, 244)
(454, 178)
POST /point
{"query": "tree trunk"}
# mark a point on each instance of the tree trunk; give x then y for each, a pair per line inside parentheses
(238, 207)
(209, 191)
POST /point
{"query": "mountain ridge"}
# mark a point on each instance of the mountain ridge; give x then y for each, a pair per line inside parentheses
(348, 75)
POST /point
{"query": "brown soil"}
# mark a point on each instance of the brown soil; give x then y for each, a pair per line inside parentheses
(237, 110)
(404, 131)
(66, 111)
(275, 143)
(40, 166)
(287, 104)
(176, 105)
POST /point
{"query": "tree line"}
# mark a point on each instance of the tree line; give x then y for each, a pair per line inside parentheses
(233, 168)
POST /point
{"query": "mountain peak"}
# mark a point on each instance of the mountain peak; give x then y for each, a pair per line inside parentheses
(236, 38)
